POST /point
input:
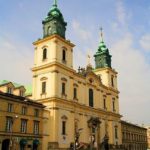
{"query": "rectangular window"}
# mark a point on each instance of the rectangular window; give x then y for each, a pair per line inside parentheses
(63, 127)
(9, 90)
(104, 103)
(10, 107)
(36, 112)
(23, 125)
(116, 132)
(36, 127)
(43, 87)
(21, 93)
(112, 81)
(63, 88)
(9, 123)
(91, 98)
(24, 110)
(75, 93)
(114, 109)
(64, 55)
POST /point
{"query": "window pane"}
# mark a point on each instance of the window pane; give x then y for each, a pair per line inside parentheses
(10, 107)
(91, 97)
(24, 110)
(36, 127)
(63, 127)
(44, 54)
(9, 90)
(116, 132)
(75, 93)
(9, 123)
(104, 102)
(64, 55)
(112, 81)
(21, 93)
(63, 88)
(36, 112)
(23, 126)
(43, 87)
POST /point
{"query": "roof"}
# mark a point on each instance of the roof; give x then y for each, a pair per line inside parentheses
(28, 88)
(131, 124)
(16, 85)
(20, 99)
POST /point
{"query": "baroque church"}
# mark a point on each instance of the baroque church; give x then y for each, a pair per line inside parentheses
(82, 106)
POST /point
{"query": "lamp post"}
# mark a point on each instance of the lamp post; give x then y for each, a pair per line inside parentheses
(11, 146)
(11, 134)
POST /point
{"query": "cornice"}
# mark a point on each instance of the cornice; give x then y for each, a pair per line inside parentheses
(75, 104)
(53, 37)
(106, 69)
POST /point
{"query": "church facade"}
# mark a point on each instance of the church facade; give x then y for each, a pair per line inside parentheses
(83, 105)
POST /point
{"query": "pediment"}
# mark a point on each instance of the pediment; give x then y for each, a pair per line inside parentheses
(91, 77)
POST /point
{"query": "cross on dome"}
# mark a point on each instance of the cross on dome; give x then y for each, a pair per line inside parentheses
(55, 3)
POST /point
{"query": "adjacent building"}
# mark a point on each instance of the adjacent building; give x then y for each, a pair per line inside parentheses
(21, 121)
(134, 137)
(148, 136)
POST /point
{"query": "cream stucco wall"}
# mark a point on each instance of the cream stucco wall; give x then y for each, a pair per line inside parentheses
(55, 72)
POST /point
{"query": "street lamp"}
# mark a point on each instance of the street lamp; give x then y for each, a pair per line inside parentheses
(11, 140)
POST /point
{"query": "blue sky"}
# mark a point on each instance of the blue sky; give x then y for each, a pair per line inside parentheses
(126, 26)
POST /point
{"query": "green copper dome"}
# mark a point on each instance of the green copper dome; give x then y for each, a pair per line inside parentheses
(102, 47)
(54, 22)
(102, 56)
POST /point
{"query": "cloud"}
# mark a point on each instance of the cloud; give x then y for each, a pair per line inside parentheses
(145, 42)
(80, 32)
(15, 60)
(121, 13)
(134, 73)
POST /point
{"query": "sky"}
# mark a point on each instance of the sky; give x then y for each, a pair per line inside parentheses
(126, 30)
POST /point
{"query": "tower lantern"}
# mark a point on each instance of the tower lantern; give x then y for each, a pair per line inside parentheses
(102, 56)
(54, 22)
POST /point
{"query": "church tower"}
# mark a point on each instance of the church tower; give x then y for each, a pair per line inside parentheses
(103, 66)
(52, 52)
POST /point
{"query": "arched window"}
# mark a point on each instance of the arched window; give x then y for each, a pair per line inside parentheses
(64, 55)
(44, 54)
(113, 104)
(104, 103)
(116, 132)
(64, 121)
(44, 87)
(112, 81)
(75, 93)
(91, 97)
(63, 88)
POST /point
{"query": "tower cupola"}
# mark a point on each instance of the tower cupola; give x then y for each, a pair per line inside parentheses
(54, 22)
(102, 56)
